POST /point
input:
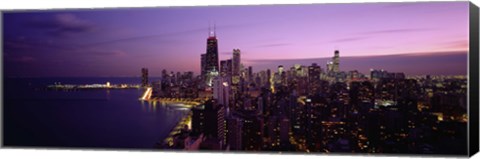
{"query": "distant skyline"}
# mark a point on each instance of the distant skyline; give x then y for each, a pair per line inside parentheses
(415, 38)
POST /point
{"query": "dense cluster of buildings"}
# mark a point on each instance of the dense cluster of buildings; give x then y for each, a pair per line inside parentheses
(312, 109)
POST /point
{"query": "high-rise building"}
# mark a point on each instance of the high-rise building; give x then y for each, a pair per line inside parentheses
(226, 68)
(333, 66)
(205, 119)
(236, 66)
(329, 67)
(164, 74)
(336, 61)
(144, 77)
(284, 131)
(209, 63)
(221, 125)
(223, 68)
(280, 69)
(212, 52)
(229, 67)
(234, 133)
(252, 131)
(236, 62)
(221, 89)
(203, 65)
(316, 111)
(157, 88)
(314, 72)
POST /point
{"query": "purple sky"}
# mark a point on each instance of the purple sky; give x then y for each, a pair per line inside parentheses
(119, 42)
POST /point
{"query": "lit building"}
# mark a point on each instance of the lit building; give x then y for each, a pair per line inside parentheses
(252, 132)
(333, 66)
(354, 75)
(223, 68)
(226, 68)
(382, 74)
(144, 77)
(280, 69)
(236, 62)
(157, 88)
(336, 62)
(221, 90)
(221, 125)
(205, 119)
(278, 131)
(284, 131)
(203, 65)
(316, 111)
(361, 94)
(314, 72)
(234, 133)
(211, 58)
(333, 137)
(329, 66)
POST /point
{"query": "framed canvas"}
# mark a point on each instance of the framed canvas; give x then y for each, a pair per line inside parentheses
(398, 78)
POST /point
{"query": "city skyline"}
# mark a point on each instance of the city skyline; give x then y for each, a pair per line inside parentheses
(374, 78)
(117, 42)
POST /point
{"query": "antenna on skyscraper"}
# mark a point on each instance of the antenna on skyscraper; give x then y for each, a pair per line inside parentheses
(209, 30)
(214, 29)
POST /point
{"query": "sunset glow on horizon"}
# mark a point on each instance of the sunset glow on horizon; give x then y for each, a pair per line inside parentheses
(118, 42)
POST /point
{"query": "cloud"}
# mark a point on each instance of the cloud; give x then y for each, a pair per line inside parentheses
(402, 4)
(456, 44)
(348, 39)
(390, 31)
(273, 45)
(143, 37)
(35, 45)
(115, 53)
(162, 35)
(62, 25)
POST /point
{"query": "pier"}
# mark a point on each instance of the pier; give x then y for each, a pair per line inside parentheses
(59, 86)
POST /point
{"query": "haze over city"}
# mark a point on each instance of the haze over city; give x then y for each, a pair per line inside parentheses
(415, 38)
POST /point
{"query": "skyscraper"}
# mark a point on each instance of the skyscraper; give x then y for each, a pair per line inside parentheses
(205, 119)
(236, 66)
(329, 67)
(280, 69)
(226, 68)
(234, 132)
(223, 68)
(144, 77)
(336, 61)
(229, 68)
(203, 65)
(221, 90)
(211, 57)
(212, 52)
(314, 72)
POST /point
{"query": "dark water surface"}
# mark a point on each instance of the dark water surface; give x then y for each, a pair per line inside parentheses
(116, 118)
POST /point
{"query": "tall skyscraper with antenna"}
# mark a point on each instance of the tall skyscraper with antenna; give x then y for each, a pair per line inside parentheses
(211, 56)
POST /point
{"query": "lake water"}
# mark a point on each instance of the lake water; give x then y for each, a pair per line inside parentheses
(99, 118)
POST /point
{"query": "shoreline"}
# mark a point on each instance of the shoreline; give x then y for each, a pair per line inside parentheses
(185, 120)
